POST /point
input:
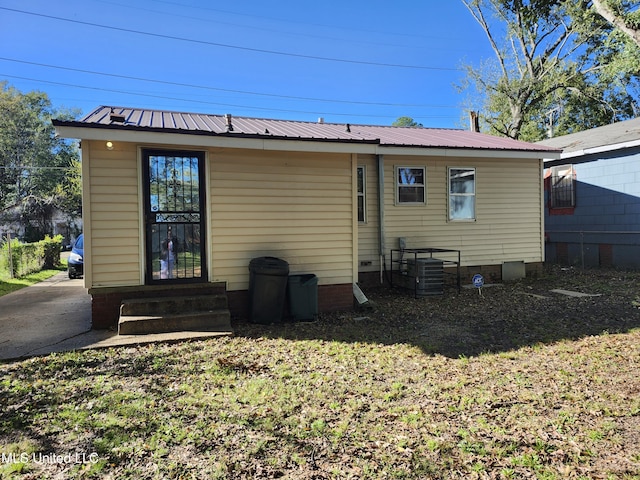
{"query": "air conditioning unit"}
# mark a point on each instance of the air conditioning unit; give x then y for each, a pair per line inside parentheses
(428, 274)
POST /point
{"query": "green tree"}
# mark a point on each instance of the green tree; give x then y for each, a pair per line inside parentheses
(38, 171)
(406, 122)
(549, 70)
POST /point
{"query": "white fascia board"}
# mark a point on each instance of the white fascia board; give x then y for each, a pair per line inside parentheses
(178, 139)
(601, 149)
(114, 135)
(466, 153)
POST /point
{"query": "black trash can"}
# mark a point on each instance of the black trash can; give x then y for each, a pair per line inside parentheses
(267, 289)
(303, 297)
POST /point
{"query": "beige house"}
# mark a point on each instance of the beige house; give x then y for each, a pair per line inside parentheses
(330, 199)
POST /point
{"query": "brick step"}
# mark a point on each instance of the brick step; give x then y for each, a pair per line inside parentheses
(206, 321)
(172, 305)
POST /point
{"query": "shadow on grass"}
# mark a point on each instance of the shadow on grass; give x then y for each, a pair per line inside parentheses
(503, 318)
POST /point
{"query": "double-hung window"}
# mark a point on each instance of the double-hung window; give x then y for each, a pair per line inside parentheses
(411, 185)
(362, 199)
(462, 193)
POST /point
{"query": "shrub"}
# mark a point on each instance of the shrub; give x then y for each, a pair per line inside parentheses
(27, 258)
(52, 249)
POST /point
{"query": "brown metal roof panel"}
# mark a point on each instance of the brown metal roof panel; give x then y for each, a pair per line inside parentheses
(145, 118)
(428, 137)
(197, 122)
(170, 120)
(133, 117)
(187, 122)
(99, 115)
(385, 135)
(156, 120)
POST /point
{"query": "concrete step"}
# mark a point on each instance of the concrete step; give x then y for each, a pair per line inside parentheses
(172, 305)
(218, 320)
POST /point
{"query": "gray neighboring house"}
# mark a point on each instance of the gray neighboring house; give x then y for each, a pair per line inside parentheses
(592, 197)
(12, 223)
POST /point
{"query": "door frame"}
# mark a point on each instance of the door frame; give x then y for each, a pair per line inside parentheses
(147, 262)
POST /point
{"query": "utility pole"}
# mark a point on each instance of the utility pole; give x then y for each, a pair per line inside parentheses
(551, 114)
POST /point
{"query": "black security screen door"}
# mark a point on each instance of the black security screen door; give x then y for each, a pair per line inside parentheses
(174, 213)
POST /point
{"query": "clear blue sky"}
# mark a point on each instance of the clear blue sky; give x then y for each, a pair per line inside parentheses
(348, 61)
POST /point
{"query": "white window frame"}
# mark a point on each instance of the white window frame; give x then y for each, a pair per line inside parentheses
(362, 194)
(562, 193)
(400, 185)
(451, 195)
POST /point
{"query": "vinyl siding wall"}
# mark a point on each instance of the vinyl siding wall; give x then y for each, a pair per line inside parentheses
(301, 207)
(294, 206)
(368, 236)
(508, 225)
(111, 216)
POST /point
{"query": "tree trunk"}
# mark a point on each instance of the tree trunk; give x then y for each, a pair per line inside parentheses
(617, 21)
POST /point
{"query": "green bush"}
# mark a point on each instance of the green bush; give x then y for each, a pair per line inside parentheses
(27, 258)
(52, 249)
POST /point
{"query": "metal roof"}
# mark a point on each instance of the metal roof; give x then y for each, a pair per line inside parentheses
(609, 137)
(122, 118)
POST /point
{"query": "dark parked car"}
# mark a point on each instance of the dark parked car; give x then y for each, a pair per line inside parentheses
(75, 262)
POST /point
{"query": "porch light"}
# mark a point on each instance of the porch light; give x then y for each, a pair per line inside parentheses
(109, 145)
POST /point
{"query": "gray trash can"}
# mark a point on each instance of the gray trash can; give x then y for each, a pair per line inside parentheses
(303, 296)
(267, 289)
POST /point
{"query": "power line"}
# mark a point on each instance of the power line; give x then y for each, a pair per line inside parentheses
(204, 87)
(164, 97)
(236, 47)
(253, 27)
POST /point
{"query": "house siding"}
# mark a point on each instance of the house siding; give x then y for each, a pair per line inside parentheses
(111, 215)
(299, 207)
(294, 206)
(368, 232)
(508, 224)
(604, 227)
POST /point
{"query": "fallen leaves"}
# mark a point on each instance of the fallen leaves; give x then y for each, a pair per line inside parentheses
(500, 386)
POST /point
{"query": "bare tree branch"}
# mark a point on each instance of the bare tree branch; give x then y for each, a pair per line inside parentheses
(479, 16)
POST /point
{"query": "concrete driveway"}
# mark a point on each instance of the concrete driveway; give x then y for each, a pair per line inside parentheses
(55, 316)
(43, 315)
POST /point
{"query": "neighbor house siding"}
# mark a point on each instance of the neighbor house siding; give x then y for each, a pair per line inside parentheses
(508, 210)
(113, 214)
(368, 232)
(603, 229)
(294, 206)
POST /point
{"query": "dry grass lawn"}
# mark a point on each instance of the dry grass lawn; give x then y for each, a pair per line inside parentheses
(517, 383)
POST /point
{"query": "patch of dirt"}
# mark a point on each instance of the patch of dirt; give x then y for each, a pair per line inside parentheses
(498, 318)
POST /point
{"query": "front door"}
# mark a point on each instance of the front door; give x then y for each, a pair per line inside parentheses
(174, 216)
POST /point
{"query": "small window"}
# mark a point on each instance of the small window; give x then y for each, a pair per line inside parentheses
(411, 186)
(563, 187)
(362, 199)
(462, 193)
